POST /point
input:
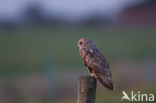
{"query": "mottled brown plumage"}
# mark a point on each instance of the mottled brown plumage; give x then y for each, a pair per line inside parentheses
(95, 62)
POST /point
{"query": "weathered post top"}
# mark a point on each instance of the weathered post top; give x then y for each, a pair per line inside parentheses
(86, 89)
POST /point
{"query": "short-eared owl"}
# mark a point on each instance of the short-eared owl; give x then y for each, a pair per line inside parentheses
(95, 62)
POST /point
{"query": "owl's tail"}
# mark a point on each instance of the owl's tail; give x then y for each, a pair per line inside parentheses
(107, 82)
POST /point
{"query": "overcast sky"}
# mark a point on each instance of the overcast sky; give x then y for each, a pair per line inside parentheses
(71, 9)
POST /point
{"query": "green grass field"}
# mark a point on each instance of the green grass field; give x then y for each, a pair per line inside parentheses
(25, 51)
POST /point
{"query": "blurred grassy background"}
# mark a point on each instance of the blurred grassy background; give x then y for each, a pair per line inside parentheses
(24, 53)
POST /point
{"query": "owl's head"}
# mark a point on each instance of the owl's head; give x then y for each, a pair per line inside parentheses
(85, 43)
(82, 43)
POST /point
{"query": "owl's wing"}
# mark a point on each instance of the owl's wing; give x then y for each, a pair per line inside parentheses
(90, 61)
(97, 63)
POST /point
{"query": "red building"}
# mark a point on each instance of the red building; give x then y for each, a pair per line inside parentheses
(139, 15)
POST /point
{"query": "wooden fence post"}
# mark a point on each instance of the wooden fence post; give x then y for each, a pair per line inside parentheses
(86, 89)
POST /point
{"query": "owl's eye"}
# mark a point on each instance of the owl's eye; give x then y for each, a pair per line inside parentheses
(80, 43)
